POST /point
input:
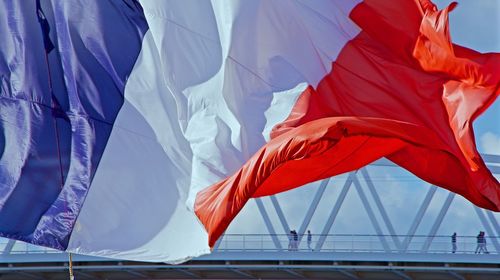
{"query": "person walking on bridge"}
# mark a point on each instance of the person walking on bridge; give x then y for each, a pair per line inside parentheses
(309, 240)
(290, 241)
(454, 242)
(295, 244)
(478, 247)
(481, 244)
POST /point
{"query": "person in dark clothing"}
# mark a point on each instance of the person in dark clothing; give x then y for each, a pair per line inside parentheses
(478, 247)
(454, 242)
(290, 241)
(295, 241)
(309, 240)
(481, 243)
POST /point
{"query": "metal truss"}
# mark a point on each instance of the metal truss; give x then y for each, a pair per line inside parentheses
(373, 204)
(360, 182)
(271, 260)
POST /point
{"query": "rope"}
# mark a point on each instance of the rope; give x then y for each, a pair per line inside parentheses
(49, 46)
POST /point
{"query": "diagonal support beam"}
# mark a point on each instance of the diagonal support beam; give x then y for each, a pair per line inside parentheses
(242, 273)
(137, 274)
(280, 214)
(9, 246)
(456, 275)
(335, 211)
(30, 275)
(487, 227)
(312, 208)
(381, 208)
(371, 216)
(494, 222)
(218, 242)
(85, 275)
(349, 274)
(268, 223)
(295, 273)
(402, 274)
(189, 273)
(437, 222)
(418, 218)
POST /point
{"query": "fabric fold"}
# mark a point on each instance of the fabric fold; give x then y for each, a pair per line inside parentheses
(400, 89)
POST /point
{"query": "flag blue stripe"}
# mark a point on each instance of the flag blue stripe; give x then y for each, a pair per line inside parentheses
(57, 108)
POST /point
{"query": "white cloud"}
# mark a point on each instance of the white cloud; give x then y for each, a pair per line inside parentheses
(490, 143)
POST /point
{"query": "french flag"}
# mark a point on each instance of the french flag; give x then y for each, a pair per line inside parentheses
(139, 129)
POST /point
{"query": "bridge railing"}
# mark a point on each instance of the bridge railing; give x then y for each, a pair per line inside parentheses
(357, 243)
(361, 243)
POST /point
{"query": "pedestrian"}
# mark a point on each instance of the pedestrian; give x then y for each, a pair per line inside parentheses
(483, 243)
(454, 242)
(478, 247)
(295, 241)
(290, 241)
(309, 240)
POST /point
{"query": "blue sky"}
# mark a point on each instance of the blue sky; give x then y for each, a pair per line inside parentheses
(476, 24)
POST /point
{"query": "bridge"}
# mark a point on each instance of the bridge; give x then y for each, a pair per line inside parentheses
(388, 243)
(256, 256)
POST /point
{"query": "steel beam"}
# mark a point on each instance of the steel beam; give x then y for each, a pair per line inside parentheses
(9, 246)
(137, 274)
(494, 222)
(30, 275)
(189, 273)
(281, 216)
(348, 274)
(418, 217)
(312, 208)
(268, 223)
(380, 207)
(491, 158)
(218, 242)
(402, 274)
(437, 222)
(189, 269)
(335, 211)
(494, 169)
(371, 216)
(487, 227)
(295, 273)
(242, 273)
(85, 275)
(456, 275)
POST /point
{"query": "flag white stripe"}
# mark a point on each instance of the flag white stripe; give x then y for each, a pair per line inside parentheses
(211, 81)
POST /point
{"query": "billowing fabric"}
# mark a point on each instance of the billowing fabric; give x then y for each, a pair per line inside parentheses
(211, 81)
(63, 67)
(139, 129)
(399, 89)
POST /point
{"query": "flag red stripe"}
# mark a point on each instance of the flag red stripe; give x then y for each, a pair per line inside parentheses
(316, 150)
(391, 92)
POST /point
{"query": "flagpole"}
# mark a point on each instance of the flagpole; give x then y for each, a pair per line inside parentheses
(71, 276)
